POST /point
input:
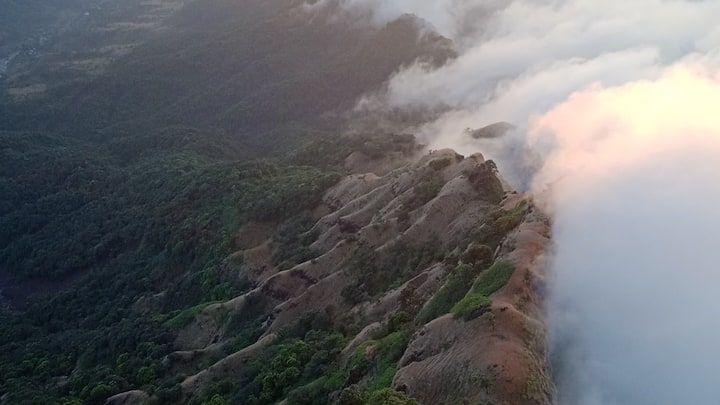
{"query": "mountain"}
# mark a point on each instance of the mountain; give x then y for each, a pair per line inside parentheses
(183, 218)
(416, 283)
(241, 68)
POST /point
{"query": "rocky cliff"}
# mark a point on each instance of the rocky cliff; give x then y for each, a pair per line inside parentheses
(427, 271)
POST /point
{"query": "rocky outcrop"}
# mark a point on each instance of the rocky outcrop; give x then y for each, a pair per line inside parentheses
(499, 357)
(491, 131)
(385, 244)
(129, 398)
(232, 366)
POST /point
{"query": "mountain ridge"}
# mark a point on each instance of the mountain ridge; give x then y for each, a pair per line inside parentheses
(499, 351)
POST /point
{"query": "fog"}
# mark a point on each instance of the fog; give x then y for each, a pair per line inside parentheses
(618, 138)
(631, 188)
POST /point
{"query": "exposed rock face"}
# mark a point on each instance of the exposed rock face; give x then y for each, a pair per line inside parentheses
(498, 358)
(231, 366)
(491, 131)
(128, 398)
(430, 210)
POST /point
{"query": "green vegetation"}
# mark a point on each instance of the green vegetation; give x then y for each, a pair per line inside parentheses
(425, 190)
(352, 395)
(301, 367)
(377, 272)
(513, 217)
(536, 387)
(378, 359)
(472, 261)
(477, 255)
(373, 361)
(427, 187)
(121, 190)
(126, 229)
(184, 317)
(390, 397)
(90, 209)
(440, 164)
(493, 278)
(303, 370)
(318, 391)
(499, 224)
(489, 281)
(471, 306)
(334, 150)
(292, 242)
(456, 285)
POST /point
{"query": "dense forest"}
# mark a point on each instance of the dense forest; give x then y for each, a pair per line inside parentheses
(116, 231)
(122, 186)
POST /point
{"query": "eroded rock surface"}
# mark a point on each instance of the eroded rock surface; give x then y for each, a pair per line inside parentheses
(385, 246)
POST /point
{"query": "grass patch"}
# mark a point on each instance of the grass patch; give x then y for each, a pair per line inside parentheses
(510, 219)
(184, 317)
(489, 281)
(292, 242)
(390, 397)
(384, 378)
(454, 289)
(493, 278)
(472, 306)
(427, 188)
(318, 391)
(499, 223)
(452, 295)
(377, 272)
(536, 387)
(381, 365)
(304, 370)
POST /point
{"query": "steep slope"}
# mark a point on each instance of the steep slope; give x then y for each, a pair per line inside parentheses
(420, 281)
(499, 357)
(242, 68)
(130, 135)
(130, 138)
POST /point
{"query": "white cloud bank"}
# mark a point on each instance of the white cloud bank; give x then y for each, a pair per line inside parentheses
(632, 188)
(621, 100)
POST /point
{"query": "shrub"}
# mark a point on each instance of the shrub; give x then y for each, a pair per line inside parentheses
(439, 164)
(425, 190)
(477, 255)
(383, 365)
(472, 306)
(398, 320)
(99, 393)
(292, 242)
(318, 391)
(494, 278)
(499, 224)
(184, 317)
(351, 395)
(380, 271)
(217, 399)
(512, 218)
(454, 289)
(390, 397)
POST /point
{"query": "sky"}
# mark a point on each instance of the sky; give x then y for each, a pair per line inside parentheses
(617, 112)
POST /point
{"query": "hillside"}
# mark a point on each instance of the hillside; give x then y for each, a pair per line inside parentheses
(239, 68)
(185, 218)
(418, 280)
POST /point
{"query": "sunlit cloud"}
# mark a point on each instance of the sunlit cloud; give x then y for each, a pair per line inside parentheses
(618, 137)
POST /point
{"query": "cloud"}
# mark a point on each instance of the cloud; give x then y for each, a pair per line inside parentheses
(618, 137)
(455, 19)
(631, 186)
(517, 59)
(599, 129)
